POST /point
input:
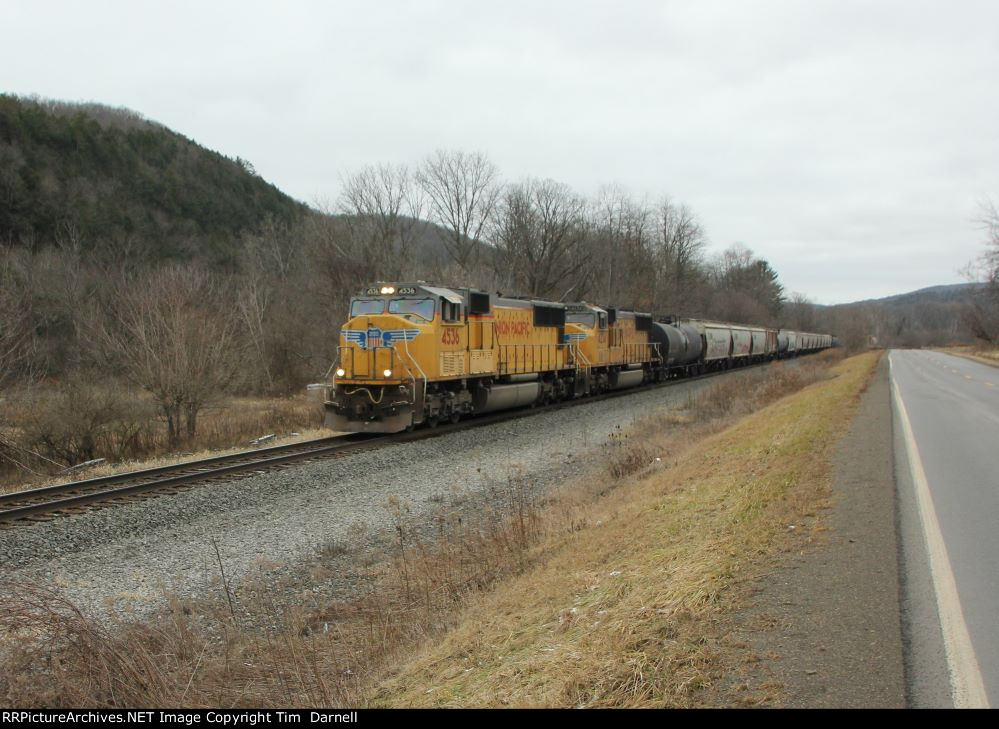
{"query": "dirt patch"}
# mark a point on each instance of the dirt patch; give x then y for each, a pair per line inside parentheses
(826, 626)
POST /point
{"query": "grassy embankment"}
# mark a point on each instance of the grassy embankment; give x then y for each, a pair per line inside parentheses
(629, 610)
(975, 353)
(615, 591)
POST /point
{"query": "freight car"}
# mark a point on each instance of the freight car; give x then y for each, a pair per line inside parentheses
(413, 354)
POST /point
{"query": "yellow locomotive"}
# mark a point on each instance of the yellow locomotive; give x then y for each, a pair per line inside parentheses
(415, 353)
(613, 346)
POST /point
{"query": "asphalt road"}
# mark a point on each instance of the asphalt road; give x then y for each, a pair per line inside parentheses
(946, 431)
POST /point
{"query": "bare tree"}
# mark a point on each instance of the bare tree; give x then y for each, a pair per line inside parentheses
(799, 313)
(253, 302)
(383, 209)
(746, 287)
(990, 219)
(677, 247)
(538, 233)
(275, 302)
(462, 190)
(619, 249)
(983, 314)
(337, 257)
(170, 335)
(15, 321)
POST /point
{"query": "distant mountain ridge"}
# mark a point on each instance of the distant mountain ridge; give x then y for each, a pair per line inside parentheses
(94, 173)
(928, 316)
(942, 292)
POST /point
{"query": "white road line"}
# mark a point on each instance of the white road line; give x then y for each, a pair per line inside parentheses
(967, 686)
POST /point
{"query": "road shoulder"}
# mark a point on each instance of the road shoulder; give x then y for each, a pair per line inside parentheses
(826, 624)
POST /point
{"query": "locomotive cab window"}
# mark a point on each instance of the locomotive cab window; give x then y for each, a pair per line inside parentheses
(603, 320)
(586, 319)
(450, 311)
(361, 307)
(413, 308)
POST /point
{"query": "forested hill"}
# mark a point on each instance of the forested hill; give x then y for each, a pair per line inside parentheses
(931, 294)
(931, 316)
(96, 175)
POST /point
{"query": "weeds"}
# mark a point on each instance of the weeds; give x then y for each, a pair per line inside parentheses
(79, 422)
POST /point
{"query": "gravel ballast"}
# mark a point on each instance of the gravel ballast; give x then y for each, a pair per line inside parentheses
(126, 560)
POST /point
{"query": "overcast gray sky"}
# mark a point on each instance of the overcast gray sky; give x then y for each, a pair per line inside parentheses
(846, 142)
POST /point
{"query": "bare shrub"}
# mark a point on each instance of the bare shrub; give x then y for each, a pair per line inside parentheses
(79, 421)
(236, 421)
(95, 667)
(627, 455)
(173, 336)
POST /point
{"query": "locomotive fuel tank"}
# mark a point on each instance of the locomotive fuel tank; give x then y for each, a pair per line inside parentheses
(626, 378)
(504, 397)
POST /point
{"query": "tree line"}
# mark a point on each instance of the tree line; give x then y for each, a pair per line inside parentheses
(89, 309)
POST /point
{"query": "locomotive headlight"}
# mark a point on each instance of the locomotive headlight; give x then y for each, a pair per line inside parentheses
(388, 289)
(387, 373)
(341, 372)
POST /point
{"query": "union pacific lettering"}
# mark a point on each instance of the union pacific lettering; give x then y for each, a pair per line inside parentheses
(513, 328)
(513, 325)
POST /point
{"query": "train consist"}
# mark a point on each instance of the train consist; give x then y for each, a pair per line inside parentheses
(413, 354)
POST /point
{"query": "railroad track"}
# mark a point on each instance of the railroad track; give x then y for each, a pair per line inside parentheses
(66, 499)
(70, 498)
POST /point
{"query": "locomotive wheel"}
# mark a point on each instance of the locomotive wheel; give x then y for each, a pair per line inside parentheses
(433, 421)
(455, 416)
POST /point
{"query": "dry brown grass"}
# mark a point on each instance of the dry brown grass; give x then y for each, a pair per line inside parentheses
(226, 428)
(974, 352)
(604, 593)
(627, 610)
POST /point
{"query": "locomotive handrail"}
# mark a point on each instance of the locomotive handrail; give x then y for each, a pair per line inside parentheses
(422, 374)
(334, 364)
